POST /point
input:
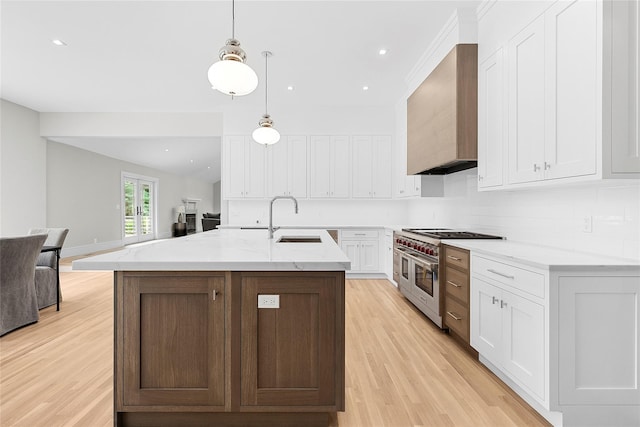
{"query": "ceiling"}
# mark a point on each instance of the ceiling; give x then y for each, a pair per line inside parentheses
(153, 56)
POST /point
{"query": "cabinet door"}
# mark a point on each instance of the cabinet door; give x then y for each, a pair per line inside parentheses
(490, 124)
(369, 255)
(351, 249)
(526, 104)
(297, 166)
(173, 341)
(289, 354)
(523, 341)
(362, 170)
(381, 172)
(573, 91)
(234, 166)
(278, 161)
(340, 167)
(320, 163)
(486, 320)
(254, 174)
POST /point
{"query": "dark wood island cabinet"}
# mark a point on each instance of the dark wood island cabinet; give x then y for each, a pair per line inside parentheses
(193, 348)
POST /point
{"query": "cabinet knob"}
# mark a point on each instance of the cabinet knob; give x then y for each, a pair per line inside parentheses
(494, 300)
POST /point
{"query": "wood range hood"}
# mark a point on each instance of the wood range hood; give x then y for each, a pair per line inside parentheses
(442, 116)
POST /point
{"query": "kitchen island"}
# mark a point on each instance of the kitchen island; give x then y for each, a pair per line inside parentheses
(228, 328)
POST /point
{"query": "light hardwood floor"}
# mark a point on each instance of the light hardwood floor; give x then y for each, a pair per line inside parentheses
(401, 370)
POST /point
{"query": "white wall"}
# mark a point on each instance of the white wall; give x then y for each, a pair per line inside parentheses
(23, 168)
(84, 196)
(318, 212)
(552, 216)
(217, 196)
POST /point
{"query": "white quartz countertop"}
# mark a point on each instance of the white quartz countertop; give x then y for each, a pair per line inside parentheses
(309, 227)
(541, 256)
(225, 250)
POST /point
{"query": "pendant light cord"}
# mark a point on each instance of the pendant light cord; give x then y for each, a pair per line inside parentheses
(233, 19)
(266, 82)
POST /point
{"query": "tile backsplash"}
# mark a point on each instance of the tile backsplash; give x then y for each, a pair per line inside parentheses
(596, 217)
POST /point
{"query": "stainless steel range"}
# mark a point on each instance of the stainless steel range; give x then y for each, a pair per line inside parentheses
(416, 254)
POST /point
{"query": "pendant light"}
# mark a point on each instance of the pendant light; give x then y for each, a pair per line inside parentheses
(230, 75)
(265, 133)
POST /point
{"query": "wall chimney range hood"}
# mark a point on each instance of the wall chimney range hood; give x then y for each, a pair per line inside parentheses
(442, 116)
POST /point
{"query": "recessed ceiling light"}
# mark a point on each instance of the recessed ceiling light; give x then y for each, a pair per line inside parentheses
(191, 160)
(289, 87)
(166, 149)
(58, 42)
(208, 167)
(382, 51)
(365, 87)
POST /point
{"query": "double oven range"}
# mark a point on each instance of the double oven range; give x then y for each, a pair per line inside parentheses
(416, 255)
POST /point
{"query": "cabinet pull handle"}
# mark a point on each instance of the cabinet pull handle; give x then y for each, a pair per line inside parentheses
(536, 168)
(454, 316)
(454, 284)
(214, 294)
(360, 234)
(502, 304)
(494, 300)
(500, 274)
(454, 258)
(547, 166)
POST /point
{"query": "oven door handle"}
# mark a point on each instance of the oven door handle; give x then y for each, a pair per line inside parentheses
(431, 266)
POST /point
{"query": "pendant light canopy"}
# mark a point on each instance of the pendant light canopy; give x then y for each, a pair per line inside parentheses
(230, 75)
(265, 133)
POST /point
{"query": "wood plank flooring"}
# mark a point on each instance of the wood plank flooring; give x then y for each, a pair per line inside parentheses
(401, 370)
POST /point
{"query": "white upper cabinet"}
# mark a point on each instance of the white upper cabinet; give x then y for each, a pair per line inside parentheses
(287, 166)
(526, 103)
(573, 92)
(490, 126)
(329, 166)
(564, 104)
(244, 168)
(371, 166)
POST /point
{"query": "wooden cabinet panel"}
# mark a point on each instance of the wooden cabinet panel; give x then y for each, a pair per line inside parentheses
(456, 284)
(442, 114)
(289, 353)
(173, 330)
(457, 318)
(456, 257)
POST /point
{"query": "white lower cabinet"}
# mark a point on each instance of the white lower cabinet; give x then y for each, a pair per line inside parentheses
(564, 338)
(363, 249)
(509, 332)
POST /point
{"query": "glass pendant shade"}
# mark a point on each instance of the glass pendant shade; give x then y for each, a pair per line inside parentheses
(266, 135)
(232, 77)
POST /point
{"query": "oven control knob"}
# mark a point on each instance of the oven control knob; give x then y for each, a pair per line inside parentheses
(430, 251)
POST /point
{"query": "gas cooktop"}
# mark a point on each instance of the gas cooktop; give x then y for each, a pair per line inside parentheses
(444, 233)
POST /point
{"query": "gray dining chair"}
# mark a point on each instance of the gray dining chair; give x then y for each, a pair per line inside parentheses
(18, 300)
(47, 274)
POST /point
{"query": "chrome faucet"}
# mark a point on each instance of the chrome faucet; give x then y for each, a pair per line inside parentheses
(271, 229)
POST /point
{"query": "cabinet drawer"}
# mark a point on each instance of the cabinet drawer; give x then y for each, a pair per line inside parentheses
(457, 284)
(359, 234)
(457, 257)
(456, 317)
(527, 281)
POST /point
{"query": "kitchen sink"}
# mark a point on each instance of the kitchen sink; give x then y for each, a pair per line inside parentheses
(299, 239)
